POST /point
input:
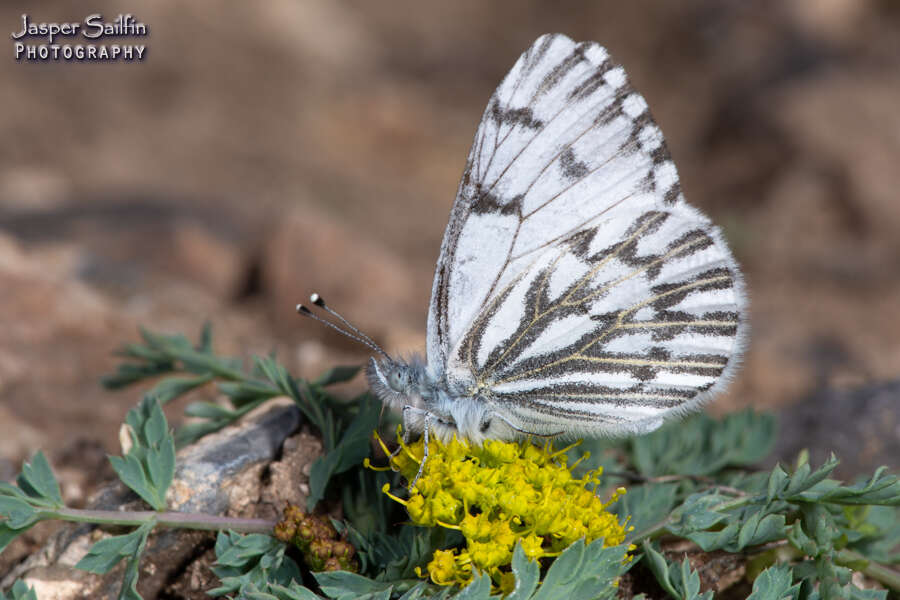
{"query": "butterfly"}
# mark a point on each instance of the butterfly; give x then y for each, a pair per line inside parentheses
(576, 292)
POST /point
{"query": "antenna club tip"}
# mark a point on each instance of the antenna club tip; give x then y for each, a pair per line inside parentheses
(317, 300)
(302, 310)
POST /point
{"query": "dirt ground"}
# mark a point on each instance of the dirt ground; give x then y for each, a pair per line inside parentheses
(264, 151)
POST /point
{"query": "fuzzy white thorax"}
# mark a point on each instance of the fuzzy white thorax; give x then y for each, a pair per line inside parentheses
(409, 388)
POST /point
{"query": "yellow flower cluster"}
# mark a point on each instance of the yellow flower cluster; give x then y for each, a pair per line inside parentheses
(497, 495)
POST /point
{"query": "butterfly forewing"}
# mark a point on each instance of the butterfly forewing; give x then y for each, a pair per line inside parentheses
(576, 290)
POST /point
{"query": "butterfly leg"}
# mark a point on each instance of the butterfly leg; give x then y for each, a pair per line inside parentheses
(407, 430)
(408, 412)
(427, 415)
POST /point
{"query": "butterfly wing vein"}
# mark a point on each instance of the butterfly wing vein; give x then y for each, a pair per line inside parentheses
(576, 289)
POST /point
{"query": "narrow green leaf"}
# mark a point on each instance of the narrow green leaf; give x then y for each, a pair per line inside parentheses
(775, 583)
(107, 553)
(319, 475)
(8, 534)
(16, 513)
(338, 374)
(161, 465)
(206, 337)
(597, 580)
(173, 387)
(349, 452)
(128, 591)
(880, 489)
(748, 529)
(479, 589)
(275, 373)
(235, 549)
(798, 538)
(8, 489)
(829, 577)
(776, 484)
(855, 593)
(716, 540)
(167, 459)
(154, 427)
(759, 529)
(646, 505)
(354, 442)
(343, 585)
(128, 373)
(149, 466)
(19, 591)
(188, 434)
(697, 512)
(703, 446)
(293, 592)
(877, 533)
(37, 480)
(678, 580)
(689, 582)
(305, 397)
(527, 574)
(798, 480)
(149, 354)
(415, 592)
(657, 564)
(208, 410)
(802, 479)
(131, 472)
(251, 592)
(251, 562)
(564, 568)
(248, 391)
(819, 523)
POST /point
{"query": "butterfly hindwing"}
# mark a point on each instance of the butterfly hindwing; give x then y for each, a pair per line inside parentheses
(575, 287)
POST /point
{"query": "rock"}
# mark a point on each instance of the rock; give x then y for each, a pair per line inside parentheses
(860, 425)
(220, 474)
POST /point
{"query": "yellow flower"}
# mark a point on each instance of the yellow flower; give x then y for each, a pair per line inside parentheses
(498, 495)
(476, 527)
(533, 546)
(445, 506)
(442, 567)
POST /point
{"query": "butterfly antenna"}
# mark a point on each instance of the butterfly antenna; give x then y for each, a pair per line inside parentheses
(320, 302)
(353, 333)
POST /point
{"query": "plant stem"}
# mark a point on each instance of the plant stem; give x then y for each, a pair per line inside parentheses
(656, 530)
(165, 519)
(638, 478)
(876, 571)
(651, 532)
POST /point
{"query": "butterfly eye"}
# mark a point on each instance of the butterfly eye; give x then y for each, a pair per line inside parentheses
(399, 380)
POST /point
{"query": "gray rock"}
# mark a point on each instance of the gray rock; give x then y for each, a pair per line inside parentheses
(860, 425)
(221, 473)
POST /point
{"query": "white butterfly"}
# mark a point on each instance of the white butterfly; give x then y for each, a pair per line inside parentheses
(576, 291)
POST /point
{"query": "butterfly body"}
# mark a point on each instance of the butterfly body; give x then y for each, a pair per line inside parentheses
(410, 387)
(576, 291)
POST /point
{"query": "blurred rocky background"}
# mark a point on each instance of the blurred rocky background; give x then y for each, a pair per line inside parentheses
(263, 151)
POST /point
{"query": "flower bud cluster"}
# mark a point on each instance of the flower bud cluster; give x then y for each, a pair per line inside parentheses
(497, 495)
(317, 539)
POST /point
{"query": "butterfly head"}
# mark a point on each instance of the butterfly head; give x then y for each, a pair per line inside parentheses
(396, 382)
